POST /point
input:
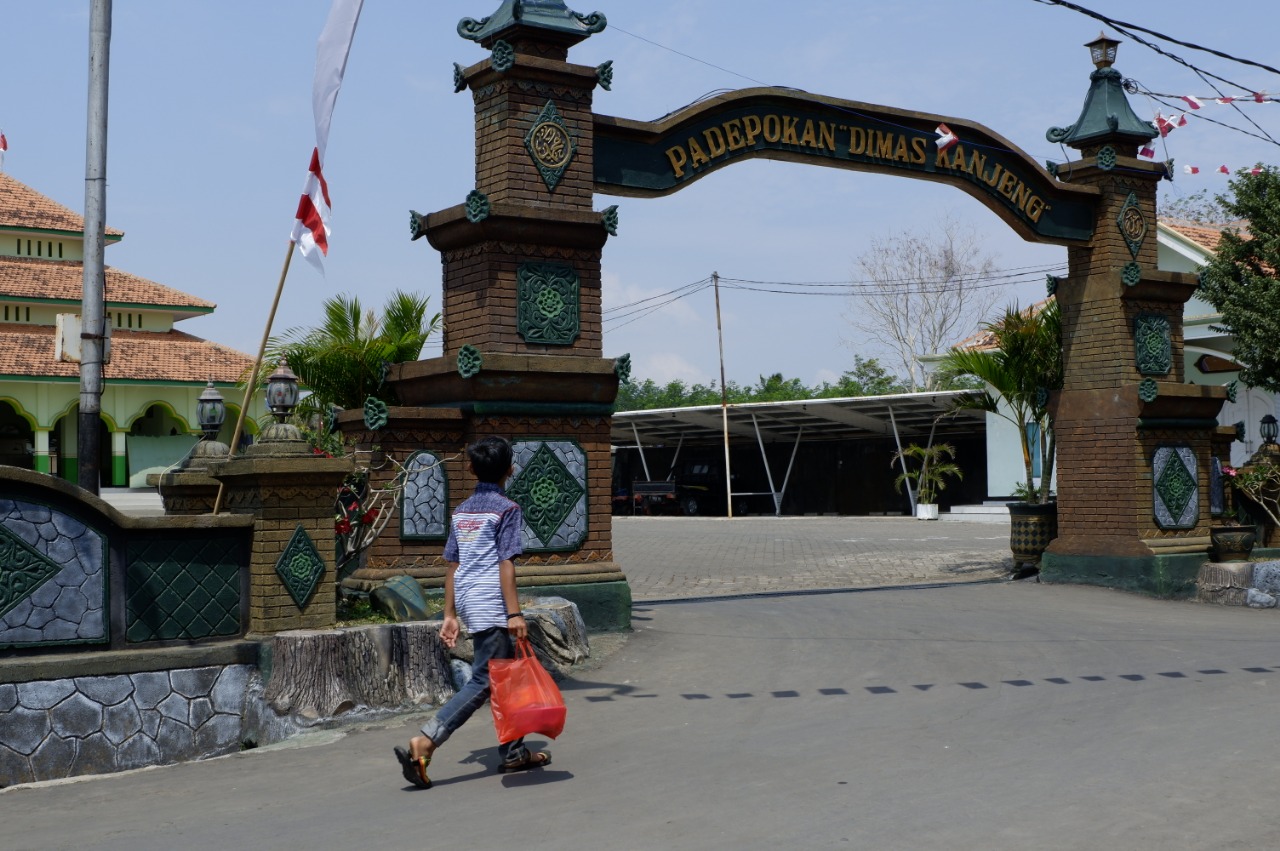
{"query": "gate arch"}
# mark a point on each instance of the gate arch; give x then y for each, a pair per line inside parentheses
(523, 347)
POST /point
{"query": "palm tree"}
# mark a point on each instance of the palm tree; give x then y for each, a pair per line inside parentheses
(343, 361)
(1020, 372)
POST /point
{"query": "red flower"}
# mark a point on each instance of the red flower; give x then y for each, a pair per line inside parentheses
(369, 516)
(342, 527)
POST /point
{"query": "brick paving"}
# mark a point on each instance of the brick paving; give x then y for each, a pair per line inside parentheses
(682, 557)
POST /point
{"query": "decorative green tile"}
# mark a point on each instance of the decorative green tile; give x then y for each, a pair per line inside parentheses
(1176, 494)
(547, 304)
(184, 588)
(1132, 224)
(546, 491)
(470, 361)
(477, 207)
(375, 414)
(300, 567)
(1106, 158)
(550, 145)
(504, 56)
(1153, 342)
(23, 569)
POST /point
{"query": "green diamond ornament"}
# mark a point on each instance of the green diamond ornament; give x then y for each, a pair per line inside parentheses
(300, 567)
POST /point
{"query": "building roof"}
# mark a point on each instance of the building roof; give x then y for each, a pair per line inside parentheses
(28, 350)
(23, 207)
(912, 414)
(1207, 237)
(31, 277)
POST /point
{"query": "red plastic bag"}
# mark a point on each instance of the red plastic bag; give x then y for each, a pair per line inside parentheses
(523, 697)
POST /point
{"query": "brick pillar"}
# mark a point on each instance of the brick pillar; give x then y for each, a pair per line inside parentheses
(1124, 412)
(292, 501)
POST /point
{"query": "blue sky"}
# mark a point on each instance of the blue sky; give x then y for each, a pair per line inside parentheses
(211, 130)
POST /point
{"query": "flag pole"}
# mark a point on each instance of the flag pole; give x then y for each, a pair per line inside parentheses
(252, 382)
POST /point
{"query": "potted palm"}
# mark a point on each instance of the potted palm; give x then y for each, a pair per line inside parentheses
(928, 476)
(1021, 370)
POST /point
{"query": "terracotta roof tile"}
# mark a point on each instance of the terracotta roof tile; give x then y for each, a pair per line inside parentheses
(1205, 236)
(27, 350)
(32, 277)
(23, 207)
(985, 339)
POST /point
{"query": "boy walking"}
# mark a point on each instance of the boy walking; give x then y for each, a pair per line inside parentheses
(479, 588)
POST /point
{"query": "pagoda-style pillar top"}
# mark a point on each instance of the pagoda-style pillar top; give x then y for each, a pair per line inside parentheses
(1107, 116)
(548, 20)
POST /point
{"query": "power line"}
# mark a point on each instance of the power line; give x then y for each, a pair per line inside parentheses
(653, 297)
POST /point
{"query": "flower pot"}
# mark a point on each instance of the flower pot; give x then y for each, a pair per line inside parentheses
(1231, 543)
(927, 511)
(1031, 527)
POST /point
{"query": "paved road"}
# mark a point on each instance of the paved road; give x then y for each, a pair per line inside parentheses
(994, 716)
(679, 557)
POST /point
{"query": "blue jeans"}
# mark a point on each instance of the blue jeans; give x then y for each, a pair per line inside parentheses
(492, 643)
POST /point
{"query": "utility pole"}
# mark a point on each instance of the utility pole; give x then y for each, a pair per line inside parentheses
(724, 404)
(92, 297)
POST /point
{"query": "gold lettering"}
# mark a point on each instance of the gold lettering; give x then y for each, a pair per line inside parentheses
(1022, 196)
(940, 159)
(917, 150)
(789, 125)
(715, 141)
(828, 140)
(900, 153)
(857, 140)
(809, 138)
(772, 128)
(884, 145)
(733, 129)
(697, 156)
(957, 159)
(996, 171)
(678, 158)
(1039, 207)
(1006, 184)
(752, 126)
(977, 163)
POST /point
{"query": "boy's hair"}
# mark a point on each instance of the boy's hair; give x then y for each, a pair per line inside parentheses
(490, 459)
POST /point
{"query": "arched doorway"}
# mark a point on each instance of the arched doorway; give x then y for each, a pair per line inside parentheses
(17, 438)
(157, 440)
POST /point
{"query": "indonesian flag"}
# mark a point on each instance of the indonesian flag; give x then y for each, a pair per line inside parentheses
(1181, 120)
(1222, 169)
(1191, 169)
(1163, 125)
(1259, 97)
(1193, 102)
(1224, 101)
(946, 139)
(1148, 152)
(4, 146)
(1255, 170)
(311, 227)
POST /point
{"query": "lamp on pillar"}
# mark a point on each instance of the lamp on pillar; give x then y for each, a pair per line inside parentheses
(281, 437)
(1269, 428)
(1102, 51)
(211, 413)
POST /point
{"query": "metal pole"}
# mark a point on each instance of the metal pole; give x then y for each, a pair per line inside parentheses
(911, 494)
(791, 463)
(92, 306)
(724, 404)
(640, 447)
(671, 474)
(773, 492)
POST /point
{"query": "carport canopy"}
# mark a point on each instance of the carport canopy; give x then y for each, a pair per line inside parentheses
(904, 417)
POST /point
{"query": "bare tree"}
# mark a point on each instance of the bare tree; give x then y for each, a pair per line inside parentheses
(919, 293)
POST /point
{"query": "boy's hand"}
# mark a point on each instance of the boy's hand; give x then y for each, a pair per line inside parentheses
(518, 628)
(449, 632)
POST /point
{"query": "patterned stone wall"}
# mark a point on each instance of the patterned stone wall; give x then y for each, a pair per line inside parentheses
(53, 577)
(95, 725)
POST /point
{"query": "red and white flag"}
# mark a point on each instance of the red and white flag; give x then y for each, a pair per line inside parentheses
(1259, 97)
(1192, 101)
(1222, 169)
(311, 227)
(946, 139)
(1255, 170)
(1191, 169)
(1163, 125)
(1224, 101)
(1148, 152)
(4, 146)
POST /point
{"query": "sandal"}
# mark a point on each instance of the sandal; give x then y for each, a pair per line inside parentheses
(414, 768)
(529, 760)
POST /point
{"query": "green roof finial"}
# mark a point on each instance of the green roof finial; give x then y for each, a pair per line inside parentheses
(1107, 116)
(551, 16)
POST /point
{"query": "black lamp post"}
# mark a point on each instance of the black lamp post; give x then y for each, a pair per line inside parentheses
(1268, 428)
(211, 412)
(282, 391)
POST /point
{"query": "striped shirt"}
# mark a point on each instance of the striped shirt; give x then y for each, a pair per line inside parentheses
(484, 530)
